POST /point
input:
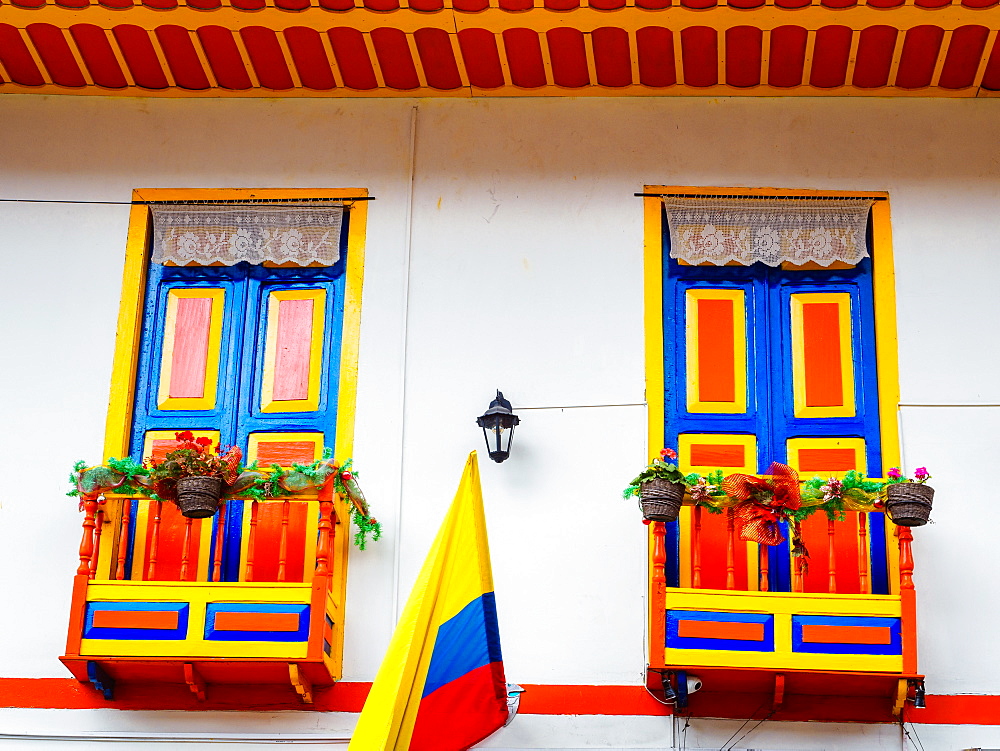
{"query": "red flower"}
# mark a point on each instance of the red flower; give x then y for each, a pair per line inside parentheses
(346, 475)
(203, 441)
(185, 435)
(668, 454)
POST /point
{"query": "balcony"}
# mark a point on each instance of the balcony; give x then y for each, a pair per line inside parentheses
(831, 637)
(250, 597)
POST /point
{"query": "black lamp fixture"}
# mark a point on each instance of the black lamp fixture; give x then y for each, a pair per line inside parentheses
(498, 427)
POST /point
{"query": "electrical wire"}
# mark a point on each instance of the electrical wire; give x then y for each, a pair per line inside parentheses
(664, 703)
(348, 200)
(748, 732)
(756, 197)
(902, 726)
(745, 722)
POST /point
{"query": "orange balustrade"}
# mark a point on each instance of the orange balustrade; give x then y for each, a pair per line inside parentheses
(164, 546)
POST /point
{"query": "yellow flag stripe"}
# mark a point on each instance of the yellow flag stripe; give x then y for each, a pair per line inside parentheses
(456, 570)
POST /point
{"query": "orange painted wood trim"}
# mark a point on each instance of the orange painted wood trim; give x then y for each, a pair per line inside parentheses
(159, 447)
(717, 455)
(827, 460)
(721, 630)
(256, 621)
(293, 350)
(716, 359)
(136, 619)
(77, 614)
(190, 356)
(657, 594)
(816, 634)
(317, 617)
(908, 599)
(824, 381)
(283, 453)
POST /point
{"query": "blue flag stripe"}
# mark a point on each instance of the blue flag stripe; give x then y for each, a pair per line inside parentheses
(467, 641)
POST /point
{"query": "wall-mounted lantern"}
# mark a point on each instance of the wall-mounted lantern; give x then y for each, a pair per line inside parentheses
(498, 427)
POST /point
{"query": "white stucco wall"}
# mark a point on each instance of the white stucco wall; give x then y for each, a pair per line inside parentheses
(528, 203)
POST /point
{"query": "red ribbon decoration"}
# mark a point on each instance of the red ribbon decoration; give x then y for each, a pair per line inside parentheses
(761, 501)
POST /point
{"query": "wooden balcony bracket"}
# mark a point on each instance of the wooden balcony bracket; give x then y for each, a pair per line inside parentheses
(194, 681)
(301, 683)
(901, 690)
(101, 680)
(779, 691)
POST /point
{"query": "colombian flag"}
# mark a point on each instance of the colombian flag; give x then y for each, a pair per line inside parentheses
(441, 686)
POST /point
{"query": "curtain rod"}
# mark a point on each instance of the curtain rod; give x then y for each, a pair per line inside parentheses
(272, 201)
(757, 197)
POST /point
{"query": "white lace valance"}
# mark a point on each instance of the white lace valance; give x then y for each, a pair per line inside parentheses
(767, 230)
(202, 234)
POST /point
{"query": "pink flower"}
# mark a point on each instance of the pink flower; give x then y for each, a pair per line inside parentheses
(833, 489)
(894, 473)
(920, 474)
(668, 454)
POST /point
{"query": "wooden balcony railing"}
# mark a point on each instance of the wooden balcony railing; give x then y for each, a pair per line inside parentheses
(151, 541)
(847, 556)
(253, 595)
(748, 618)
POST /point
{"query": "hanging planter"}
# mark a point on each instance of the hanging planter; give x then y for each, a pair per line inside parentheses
(909, 502)
(660, 488)
(660, 500)
(198, 497)
(194, 476)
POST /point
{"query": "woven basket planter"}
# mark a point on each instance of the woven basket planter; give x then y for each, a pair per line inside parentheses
(198, 497)
(660, 500)
(909, 503)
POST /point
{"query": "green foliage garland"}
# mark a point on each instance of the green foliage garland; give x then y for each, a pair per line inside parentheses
(120, 476)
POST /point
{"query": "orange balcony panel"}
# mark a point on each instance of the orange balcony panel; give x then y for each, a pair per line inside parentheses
(846, 635)
(227, 621)
(163, 620)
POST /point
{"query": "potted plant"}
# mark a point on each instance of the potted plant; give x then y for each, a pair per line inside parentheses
(908, 501)
(193, 476)
(660, 488)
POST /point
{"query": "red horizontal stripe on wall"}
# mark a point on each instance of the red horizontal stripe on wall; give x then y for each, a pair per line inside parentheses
(718, 455)
(69, 693)
(162, 619)
(817, 634)
(256, 621)
(589, 700)
(720, 630)
(827, 460)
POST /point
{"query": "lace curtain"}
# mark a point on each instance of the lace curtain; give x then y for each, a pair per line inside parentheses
(202, 234)
(769, 231)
